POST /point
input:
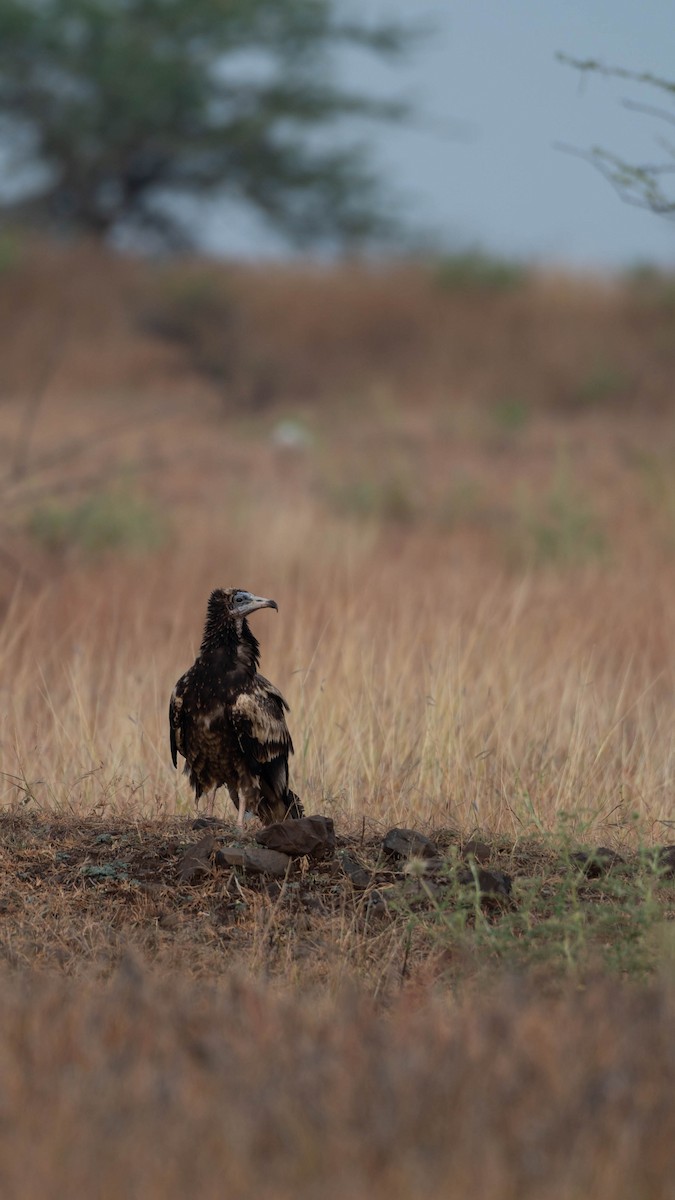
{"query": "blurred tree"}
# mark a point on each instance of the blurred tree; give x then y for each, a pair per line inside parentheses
(122, 102)
(644, 185)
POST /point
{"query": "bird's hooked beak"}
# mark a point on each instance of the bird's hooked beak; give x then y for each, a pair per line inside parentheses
(250, 603)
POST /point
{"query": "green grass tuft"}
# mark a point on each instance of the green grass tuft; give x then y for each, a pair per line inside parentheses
(104, 521)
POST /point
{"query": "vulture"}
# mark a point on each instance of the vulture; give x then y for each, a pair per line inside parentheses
(227, 721)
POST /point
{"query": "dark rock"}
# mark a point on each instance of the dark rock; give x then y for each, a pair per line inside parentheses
(408, 843)
(490, 883)
(478, 850)
(252, 858)
(211, 823)
(594, 863)
(357, 875)
(314, 836)
(231, 856)
(196, 860)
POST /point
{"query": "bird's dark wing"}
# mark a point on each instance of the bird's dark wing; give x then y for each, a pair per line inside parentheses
(264, 741)
(258, 717)
(177, 722)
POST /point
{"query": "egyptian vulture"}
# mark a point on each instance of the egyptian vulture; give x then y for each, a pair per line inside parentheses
(228, 722)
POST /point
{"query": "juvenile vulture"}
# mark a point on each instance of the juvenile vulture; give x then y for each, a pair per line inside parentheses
(227, 721)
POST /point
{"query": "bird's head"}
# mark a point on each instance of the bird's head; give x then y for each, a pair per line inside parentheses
(226, 623)
(235, 602)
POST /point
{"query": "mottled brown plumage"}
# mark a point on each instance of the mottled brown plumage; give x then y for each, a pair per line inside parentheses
(227, 721)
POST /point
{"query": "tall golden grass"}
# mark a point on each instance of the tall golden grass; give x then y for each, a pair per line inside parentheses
(444, 667)
(421, 689)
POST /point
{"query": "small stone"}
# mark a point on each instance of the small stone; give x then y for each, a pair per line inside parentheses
(232, 856)
(408, 843)
(196, 860)
(490, 883)
(594, 863)
(314, 836)
(255, 859)
(357, 875)
(478, 850)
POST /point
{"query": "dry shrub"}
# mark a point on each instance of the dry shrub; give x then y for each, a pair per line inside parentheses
(313, 335)
(101, 323)
(159, 1087)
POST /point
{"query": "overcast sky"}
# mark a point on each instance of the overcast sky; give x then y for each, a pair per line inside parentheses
(490, 67)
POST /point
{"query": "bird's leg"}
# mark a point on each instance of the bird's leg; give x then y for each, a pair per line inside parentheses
(211, 801)
(241, 815)
(248, 801)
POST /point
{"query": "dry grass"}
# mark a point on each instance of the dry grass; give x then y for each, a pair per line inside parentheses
(419, 691)
(156, 1089)
(475, 624)
(472, 548)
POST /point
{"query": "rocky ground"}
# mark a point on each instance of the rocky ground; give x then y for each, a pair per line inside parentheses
(389, 903)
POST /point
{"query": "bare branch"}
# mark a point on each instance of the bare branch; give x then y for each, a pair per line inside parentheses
(588, 65)
(638, 185)
(650, 110)
(623, 178)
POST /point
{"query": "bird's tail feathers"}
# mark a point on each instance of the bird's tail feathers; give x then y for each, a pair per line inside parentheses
(280, 808)
(294, 807)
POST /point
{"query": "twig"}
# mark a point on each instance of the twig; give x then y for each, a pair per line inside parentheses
(650, 110)
(406, 955)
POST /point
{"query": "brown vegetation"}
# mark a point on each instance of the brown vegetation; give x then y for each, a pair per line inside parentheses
(164, 1088)
(463, 500)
